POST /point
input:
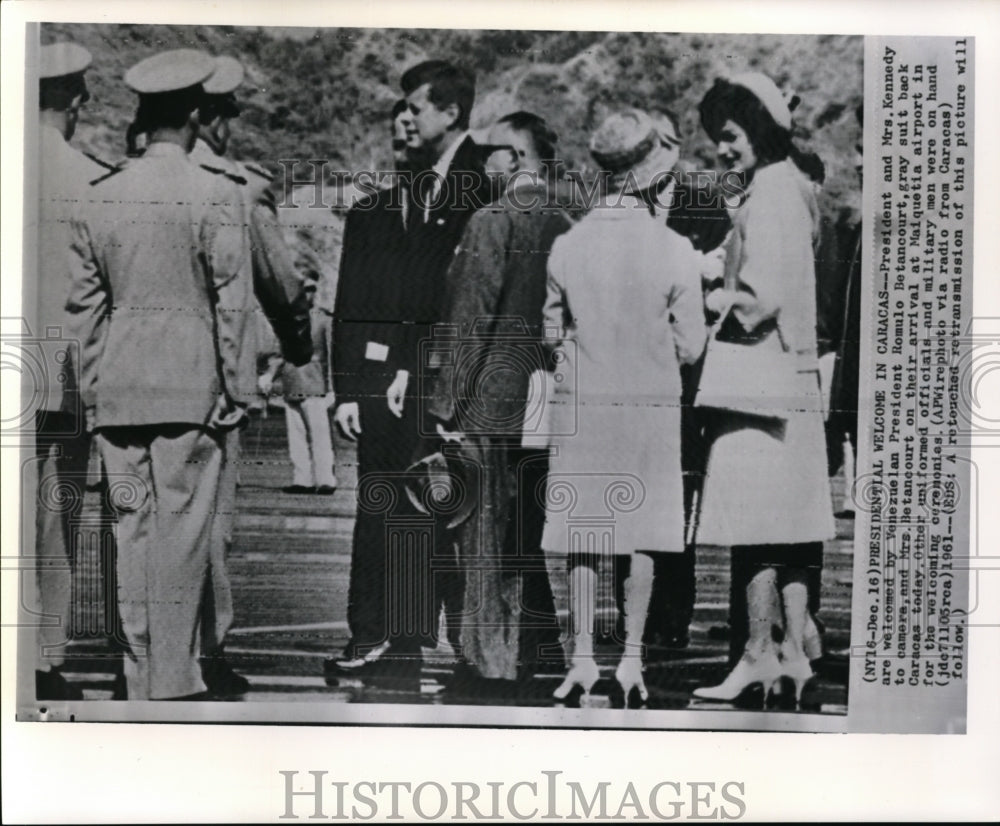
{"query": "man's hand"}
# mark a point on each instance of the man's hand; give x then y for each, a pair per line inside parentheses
(348, 419)
(265, 383)
(89, 418)
(396, 394)
(449, 435)
(718, 302)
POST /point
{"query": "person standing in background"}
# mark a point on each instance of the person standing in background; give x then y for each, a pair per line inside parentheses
(62, 444)
(268, 287)
(308, 396)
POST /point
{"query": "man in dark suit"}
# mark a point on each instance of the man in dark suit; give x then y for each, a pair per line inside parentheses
(444, 197)
(366, 335)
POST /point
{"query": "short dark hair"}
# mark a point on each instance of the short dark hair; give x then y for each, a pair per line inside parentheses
(729, 101)
(168, 110)
(57, 93)
(397, 109)
(771, 142)
(543, 138)
(448, 84)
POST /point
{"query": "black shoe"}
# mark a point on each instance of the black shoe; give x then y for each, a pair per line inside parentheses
(395, 672)
(119, 689)
(298, 489)
(221, 680)
(52, 685)
(326, 490)
(719, 632)
(356, 661)
(844, 514)
(199, 697)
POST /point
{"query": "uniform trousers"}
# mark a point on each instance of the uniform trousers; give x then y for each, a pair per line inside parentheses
(164, 540)
(217, 610)
(62, 451)
(310, 445)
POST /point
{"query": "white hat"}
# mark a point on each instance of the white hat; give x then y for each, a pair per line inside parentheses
(226, 78)
(170, 71)
(765, 90)
(61, 59)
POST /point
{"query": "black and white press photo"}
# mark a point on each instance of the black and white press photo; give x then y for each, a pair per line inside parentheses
(535, 411)
(506, 377)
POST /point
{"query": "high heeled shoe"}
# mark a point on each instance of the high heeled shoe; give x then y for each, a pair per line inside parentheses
(583, 674)
(812, 639)
(751, 671)
(795, 668)
(629, 677)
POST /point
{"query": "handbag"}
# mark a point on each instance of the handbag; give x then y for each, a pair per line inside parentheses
(752, 375)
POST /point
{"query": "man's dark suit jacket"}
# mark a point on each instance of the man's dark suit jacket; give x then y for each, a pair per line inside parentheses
(431, 246)
(367, 311)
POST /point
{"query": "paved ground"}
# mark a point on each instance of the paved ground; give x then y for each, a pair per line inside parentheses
(290, 568)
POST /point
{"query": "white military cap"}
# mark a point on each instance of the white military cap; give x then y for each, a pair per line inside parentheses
(61, 59)
(226, 78)
(765, 90)
(170, 71)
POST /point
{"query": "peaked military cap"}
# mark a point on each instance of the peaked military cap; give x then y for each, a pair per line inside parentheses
(170, 71)
(62, 59)
(226, 78)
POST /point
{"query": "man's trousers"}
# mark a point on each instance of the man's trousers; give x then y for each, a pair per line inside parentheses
(165, 489)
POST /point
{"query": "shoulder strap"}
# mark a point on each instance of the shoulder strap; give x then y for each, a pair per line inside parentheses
(239, 179)
(114, 171)
(100, 162)
(258, 170)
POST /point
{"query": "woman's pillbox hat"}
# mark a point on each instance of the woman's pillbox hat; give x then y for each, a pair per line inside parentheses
(170, 71)
(767, 92)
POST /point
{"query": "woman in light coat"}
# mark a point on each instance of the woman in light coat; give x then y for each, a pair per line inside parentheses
(625, 297)
(766, 491)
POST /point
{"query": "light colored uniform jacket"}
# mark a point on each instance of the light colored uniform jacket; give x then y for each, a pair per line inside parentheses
(64, 176)
(147, 270)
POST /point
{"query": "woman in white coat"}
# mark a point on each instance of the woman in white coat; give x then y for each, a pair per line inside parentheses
(766, 491)
(625, 297)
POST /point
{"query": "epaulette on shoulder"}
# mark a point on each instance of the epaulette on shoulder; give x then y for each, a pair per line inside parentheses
(258, 170)
(100, 162)
(239, 179)
(114, 171)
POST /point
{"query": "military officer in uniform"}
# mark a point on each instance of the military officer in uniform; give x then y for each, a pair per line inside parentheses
(154, 245)
(62, 445)
(268, 286)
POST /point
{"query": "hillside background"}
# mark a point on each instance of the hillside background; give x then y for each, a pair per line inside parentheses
(325, 93)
